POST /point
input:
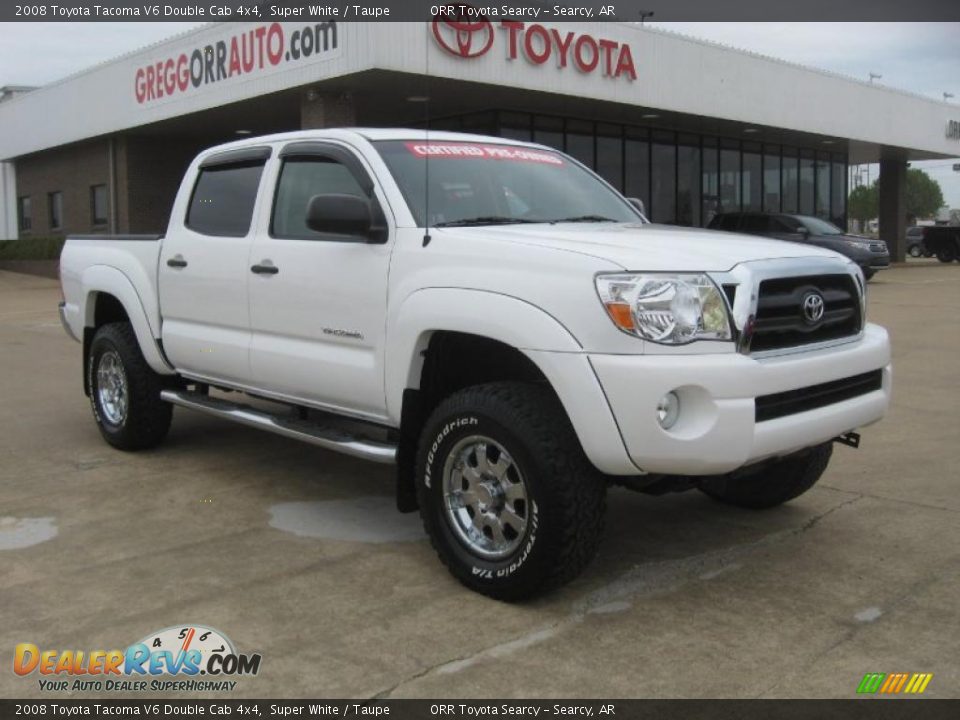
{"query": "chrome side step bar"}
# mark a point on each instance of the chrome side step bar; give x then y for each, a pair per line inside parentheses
(323, 436)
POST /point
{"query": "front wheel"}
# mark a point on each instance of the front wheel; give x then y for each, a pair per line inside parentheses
(510, 502)
(915, 251)
(125, 391)
(773, 483)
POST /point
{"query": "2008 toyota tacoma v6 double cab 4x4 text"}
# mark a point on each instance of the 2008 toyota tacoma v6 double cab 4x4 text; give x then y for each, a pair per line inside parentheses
(490, 316)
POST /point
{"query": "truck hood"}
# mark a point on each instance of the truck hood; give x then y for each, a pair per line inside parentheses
(646, 247)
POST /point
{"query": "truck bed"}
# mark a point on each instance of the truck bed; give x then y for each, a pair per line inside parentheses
(134, 257)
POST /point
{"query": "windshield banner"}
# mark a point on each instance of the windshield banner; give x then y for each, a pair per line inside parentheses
(476, 151)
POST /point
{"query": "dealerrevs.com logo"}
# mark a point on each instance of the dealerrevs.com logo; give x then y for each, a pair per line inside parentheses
(472, 36)
(172, 659)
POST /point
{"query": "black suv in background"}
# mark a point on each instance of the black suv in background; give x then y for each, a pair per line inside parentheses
(870, 255)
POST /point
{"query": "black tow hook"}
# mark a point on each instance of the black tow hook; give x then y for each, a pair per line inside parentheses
(850, 439)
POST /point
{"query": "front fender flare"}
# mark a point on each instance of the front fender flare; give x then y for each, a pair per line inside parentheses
(521, 325)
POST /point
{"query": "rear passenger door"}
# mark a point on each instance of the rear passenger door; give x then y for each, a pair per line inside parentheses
(317, 316)
(203, 273)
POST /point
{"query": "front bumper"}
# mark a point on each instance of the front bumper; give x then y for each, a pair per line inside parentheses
(717, 430)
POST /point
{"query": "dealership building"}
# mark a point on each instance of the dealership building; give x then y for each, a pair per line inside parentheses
(690, 127)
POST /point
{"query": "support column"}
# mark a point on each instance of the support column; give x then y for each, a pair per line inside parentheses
(326, 110)
(893, 209)
(9, 229)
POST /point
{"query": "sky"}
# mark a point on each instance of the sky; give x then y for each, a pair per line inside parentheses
(922, 58)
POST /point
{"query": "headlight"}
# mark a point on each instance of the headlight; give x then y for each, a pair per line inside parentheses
(668, 309)
(859, 245)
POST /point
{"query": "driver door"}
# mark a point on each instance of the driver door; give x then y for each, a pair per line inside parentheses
(318, 301)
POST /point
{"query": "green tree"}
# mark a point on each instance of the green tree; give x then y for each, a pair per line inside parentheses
(863, 202)
(923, 195)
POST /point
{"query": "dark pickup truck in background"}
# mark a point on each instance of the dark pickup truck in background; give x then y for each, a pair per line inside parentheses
(943, 241)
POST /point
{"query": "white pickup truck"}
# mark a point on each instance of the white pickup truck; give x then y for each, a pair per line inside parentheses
(490, 316)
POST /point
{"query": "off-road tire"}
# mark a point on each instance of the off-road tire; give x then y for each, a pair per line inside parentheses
(147, 418)
(774, 483)
(567, 495)
(948, 252)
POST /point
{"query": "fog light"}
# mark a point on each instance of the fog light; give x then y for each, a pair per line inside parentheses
(668, 409)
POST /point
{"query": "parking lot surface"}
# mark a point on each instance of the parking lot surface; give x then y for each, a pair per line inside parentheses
(298, 554)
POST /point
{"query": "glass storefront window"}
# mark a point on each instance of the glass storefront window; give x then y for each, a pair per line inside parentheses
(663, 165)
(710, 181)
(580, 142)
(686, 178)
(688, 182)
(838, 192)
(515, 126)
(752, 177)
(771, 179)
(823, 186)
(807, 182)
(548, 131)
(636, 152)
(610, 154)
(729, 180)
(791, 180)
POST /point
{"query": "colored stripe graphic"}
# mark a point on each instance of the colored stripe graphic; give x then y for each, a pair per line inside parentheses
(894, 683)
(871, 682)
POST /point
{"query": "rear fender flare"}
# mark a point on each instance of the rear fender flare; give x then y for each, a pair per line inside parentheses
(104, 279)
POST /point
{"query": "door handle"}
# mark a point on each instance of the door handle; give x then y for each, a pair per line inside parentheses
(177, 261)
(265, 268)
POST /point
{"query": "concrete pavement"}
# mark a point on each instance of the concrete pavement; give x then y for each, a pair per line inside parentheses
(297, 553)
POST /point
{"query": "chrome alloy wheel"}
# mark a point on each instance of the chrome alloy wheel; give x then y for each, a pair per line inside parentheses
(112, 389)
(485, 497)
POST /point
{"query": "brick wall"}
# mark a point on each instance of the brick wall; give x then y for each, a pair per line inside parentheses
(148, 170)
(71, 170)
(153, 169)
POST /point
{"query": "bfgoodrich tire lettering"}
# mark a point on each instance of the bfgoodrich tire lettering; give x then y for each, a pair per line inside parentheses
(129, 413)
(563, 495)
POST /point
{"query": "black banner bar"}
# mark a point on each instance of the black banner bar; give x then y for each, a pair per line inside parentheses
(523, 10)
(857, 709)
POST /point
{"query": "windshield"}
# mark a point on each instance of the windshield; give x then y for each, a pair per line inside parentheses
(487, 184)
(816, 226)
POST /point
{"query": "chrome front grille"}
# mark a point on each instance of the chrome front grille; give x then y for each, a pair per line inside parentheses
(796, 311)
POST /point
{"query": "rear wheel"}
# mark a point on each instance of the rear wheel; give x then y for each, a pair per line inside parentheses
(510, 502)
(868, 274)
(125, 391)
(947, 252)
(773, 483)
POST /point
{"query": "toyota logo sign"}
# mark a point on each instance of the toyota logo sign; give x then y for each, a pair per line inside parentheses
(813, 307)
(464, 38)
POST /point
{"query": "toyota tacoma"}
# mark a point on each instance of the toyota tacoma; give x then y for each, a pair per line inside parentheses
(490, 317)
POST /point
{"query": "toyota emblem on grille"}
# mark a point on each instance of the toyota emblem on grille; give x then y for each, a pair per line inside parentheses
(813, 307)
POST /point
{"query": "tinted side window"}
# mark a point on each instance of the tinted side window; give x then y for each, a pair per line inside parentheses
(725, 222)
(300, 180)
(786, 224)
(754, 224)
(223, 199)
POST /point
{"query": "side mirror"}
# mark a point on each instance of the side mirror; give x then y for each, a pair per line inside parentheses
(803, 230)
(339, 214)
(638, 204)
